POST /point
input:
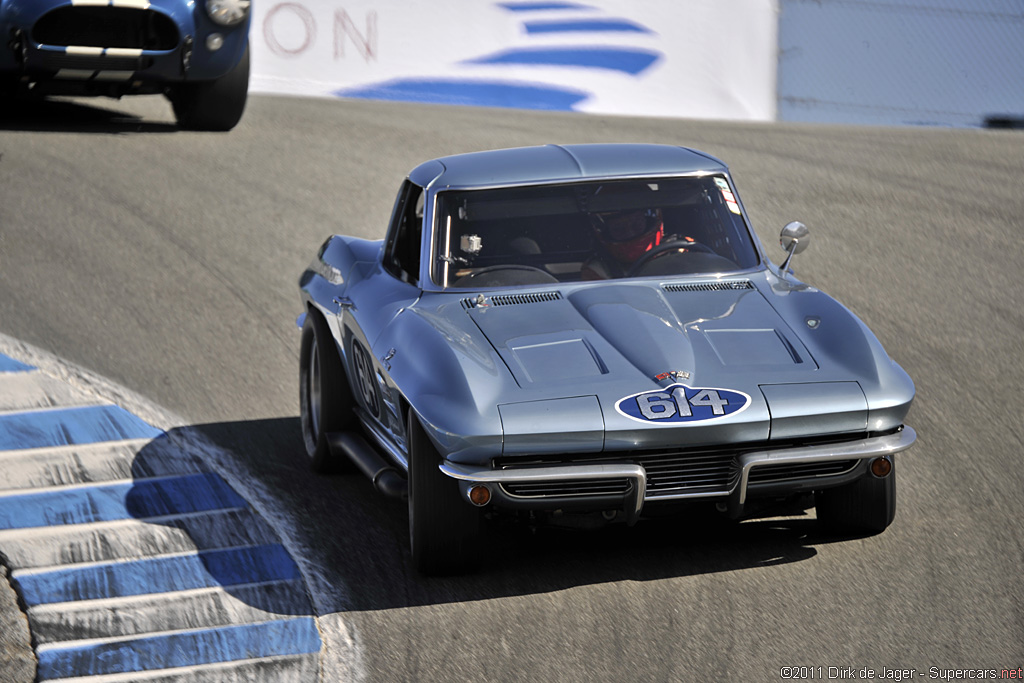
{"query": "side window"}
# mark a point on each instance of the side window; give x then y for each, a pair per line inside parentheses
(402, 256)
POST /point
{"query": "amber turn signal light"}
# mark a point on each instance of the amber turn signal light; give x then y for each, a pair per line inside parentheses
(480, 495)
(881, 467)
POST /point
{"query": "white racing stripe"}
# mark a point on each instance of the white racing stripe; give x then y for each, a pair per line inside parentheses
(84, 51)
(122, 52)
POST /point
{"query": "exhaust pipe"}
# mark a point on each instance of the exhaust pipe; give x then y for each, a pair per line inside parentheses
(385, 478)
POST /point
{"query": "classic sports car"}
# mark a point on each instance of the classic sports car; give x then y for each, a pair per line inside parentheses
(589, 329)
(196, 53)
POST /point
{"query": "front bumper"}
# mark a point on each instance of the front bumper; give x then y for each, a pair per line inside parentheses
(636, 493)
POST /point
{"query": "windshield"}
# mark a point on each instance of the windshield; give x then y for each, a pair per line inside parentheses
(589, 231)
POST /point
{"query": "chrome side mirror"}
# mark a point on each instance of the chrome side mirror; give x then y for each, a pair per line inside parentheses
(794, 238)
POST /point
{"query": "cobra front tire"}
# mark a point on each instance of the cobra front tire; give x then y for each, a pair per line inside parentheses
(213, 105)
(444, 530)
(865, 506)
(325, 400)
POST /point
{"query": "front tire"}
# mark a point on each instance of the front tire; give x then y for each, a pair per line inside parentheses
(213, 105)
(325, 400)
(444, 530)
(866, 506)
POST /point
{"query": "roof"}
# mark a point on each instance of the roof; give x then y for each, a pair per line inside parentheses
(553, 163)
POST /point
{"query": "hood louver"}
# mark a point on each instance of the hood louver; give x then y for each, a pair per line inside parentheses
(709, 286)
(511, 299)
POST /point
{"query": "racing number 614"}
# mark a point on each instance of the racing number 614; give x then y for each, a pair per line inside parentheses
(661, 406)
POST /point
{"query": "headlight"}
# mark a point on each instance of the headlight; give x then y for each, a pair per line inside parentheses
(228, 12)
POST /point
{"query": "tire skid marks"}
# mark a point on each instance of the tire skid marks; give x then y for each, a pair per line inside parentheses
(224, 567)
(105, 541)
(24, 390)
(168, 650)
(283, 668)
(139, 499)
(64, 426)
(193, 609)
(90, 463)
(133, 560)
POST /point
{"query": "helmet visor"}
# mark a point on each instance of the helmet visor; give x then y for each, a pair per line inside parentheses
(622, 226)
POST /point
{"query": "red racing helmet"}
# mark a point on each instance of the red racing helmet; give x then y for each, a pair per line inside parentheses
(627, 235)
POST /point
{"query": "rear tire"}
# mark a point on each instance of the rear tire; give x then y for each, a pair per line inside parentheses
(444, 530)
(213, 105)
(866, 506)
(325, 400)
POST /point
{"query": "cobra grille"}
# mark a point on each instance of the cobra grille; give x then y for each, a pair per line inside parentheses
(709, 286)
(772, 473)
(55, 61)
(667, 471)
(514, 299)
(121, 27)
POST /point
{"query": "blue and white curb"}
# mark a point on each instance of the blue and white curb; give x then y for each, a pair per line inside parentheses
(133, 559)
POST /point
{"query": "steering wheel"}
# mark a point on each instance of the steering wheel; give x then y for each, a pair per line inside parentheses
(520, 275)
(670, 247)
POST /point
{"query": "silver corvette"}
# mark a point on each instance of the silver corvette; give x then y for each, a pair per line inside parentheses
(589, 330)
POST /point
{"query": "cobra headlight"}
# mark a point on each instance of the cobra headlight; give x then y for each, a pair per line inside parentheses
(228, 12)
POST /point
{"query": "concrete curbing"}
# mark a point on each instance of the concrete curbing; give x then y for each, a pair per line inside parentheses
(132, 555)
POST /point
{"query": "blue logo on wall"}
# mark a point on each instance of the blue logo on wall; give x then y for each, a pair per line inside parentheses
(530, 15)
(679, 403)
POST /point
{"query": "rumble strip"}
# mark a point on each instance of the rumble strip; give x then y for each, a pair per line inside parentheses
(133, 560)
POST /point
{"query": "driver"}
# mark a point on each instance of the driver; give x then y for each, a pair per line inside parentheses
(622, 237)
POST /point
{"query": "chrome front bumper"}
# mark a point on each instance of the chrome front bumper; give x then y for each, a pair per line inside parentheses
(636, 493)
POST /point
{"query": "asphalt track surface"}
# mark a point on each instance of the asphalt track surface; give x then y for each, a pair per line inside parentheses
(167, 262)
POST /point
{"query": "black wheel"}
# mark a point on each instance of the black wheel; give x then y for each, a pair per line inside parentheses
(866, 506)
(444, 530)
(325, 400)
(213, 105)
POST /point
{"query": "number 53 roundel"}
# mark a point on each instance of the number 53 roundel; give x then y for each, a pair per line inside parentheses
(680, 403)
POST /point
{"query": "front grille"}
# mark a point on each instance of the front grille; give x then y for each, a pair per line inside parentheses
(674, 471)
(706, 471)
(772, 473)
(107, 27)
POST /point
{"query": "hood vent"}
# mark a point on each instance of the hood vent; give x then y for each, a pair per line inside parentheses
(709, 286)
(510, 299)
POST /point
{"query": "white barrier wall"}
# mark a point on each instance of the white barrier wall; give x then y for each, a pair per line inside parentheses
(900, 62)
(694, 59)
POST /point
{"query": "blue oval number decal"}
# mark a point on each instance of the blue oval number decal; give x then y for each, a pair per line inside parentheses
(680, 403)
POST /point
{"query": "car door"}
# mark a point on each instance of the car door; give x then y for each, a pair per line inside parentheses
(391, 286)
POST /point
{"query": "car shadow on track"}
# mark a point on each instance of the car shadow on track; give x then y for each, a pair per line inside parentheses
(73, 116)
(359, 539)
(200, 533)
